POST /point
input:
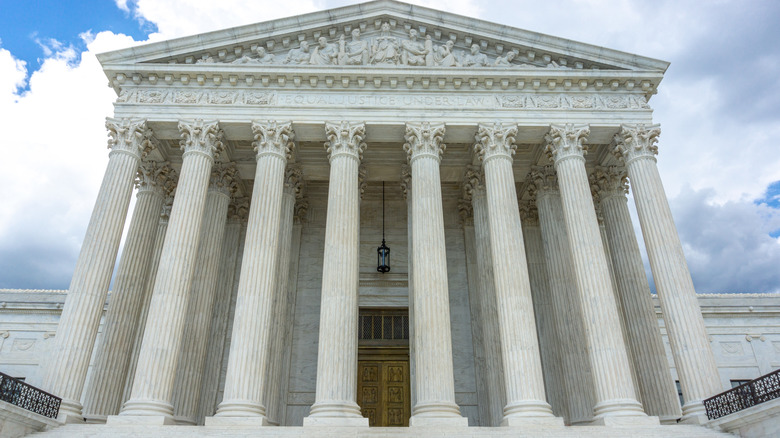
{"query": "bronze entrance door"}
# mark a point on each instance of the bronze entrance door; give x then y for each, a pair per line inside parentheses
(383, 391)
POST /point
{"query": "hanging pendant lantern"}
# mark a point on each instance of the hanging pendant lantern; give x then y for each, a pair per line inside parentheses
(383, 252)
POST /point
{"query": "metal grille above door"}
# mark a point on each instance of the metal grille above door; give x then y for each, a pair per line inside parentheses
(384, 326)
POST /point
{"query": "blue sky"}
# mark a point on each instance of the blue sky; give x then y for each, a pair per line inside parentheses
(718, 106)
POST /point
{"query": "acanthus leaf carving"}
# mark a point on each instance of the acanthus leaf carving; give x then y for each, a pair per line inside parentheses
(156, 176)
(424, 139)
(543, 180)
(566, 141)
(130, 136)
(205, 137)
(529, 214)
(293, 180)
(224, 178)
(636, 141)
(273, 138)
(495, 141)
(345, 138)
(606, 182)
(406, 180)
(238, 210)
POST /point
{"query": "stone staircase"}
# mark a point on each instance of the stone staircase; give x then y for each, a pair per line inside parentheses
(137, 431)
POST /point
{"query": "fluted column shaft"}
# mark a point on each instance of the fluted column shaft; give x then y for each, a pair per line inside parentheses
(659, 395)
(280, 321)
(491, 340)
(337, 349)
(154, 264)
(566, 305)
(545, 315)
(197, 326)
(435, 384)
(69, 358)
(406, 187)
(614, 387)
(216, 343)
(523, 376)
(104, 390)
(693, 358)
(250, 339)
(154, 376)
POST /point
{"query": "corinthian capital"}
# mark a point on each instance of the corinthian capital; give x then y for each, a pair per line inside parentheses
(130, 136)
(345, 138)
(636, 141)
(473, 180)
(543, 180)
(238, 210)
(293, 180)
(606, 182)
(495, 141)
(224, 178)
(566, 141)
(156, 176)
(273, 138)
(201, 137)
(529, 214)
(424, 139)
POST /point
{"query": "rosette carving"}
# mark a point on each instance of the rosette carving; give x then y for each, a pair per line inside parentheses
(224, 178)
(202, 137)
(424, 139)
(606, 182)
(495, 141)
(566, 141)
(273, 138)
(636, 141)
(156, 176)
(130, 136)
(345, 138)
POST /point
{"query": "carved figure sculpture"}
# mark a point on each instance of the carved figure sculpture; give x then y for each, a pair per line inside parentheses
(506, 61)
(475, 58)
(299, 56)
(324, 53)
(412, 51)
(385, 48)
(355, 52)
(443, 55)
(263, 57)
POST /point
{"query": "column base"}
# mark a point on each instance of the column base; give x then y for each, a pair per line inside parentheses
(426, 421)
(184, 421)
(312, 421)
(669, 419)
(95, 419)
(146, 420)
(240, 408)
(694, 413)
(518, 421)
(224, 420)
(146, 408)
(618, 408)
(626, 421)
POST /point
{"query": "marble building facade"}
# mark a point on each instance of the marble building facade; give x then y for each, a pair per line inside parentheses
(247, 291)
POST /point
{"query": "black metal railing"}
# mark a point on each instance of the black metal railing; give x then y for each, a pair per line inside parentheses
(28, 397)
(755, 392)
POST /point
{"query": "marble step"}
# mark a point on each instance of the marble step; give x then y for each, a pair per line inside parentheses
(137, 431)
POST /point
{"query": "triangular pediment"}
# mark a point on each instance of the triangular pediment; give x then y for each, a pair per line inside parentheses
(382, 34)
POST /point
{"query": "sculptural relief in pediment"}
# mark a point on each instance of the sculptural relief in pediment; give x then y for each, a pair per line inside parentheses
(385, 47)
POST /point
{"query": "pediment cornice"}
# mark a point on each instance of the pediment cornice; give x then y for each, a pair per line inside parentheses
(479, 52)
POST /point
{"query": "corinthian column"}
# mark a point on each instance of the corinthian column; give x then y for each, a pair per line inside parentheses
(238, 211)
(616, 401)
(523, 377)
(474, 186)
(577, 376)
(104, 391)
(546, 321)
(293, 186)
(406, 188)
(250, 340)
(693, 358)
(659, 396)
(435, 384)
(192, 356)
(150, 399)
(69, 358)
(337, 352)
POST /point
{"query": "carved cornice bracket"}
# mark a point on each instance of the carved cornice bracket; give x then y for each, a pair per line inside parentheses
(130, 136)
(636, 141)
(424, 140)
(345, 138)
(273, 138)
(198, 136)
(567, 141)
(495, 141)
